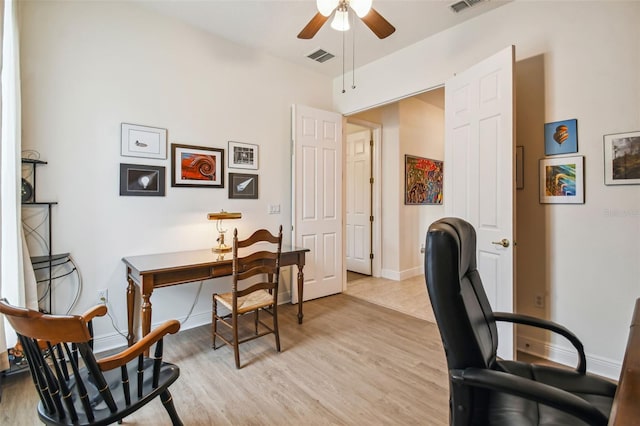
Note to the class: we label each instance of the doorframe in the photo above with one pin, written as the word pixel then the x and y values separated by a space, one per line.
pixel 376 205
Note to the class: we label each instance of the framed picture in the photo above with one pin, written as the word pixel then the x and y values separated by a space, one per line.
pixel 519 167
pixel 197 166
pixel 243 155
pixel 622 159
pixel 561 137
pixel 143 141
pixel 562 180
pixel 142 180
pixel 243 185
pixel 422 180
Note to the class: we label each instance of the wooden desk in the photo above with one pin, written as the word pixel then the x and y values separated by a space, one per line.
pixel 626 404
pixel 152 271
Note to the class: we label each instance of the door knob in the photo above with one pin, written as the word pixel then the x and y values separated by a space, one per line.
pixel 503 242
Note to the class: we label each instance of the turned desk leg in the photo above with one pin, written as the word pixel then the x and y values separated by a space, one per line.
pixel 131 297
pixel 300 295
pixel 146 290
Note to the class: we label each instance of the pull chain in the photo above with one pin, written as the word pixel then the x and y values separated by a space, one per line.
pixel 343 52
pixel 353 53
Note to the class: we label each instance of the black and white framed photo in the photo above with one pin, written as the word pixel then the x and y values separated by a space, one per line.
pixel 243 185
pixel 243 155
pixel 143 141
pixel 142 180
pixel 622 159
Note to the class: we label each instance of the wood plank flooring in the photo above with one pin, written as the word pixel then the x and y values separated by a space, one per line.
pixel 350 363
pixel 408 296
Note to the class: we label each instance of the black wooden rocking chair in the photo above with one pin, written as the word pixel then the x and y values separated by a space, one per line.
pixel 74 387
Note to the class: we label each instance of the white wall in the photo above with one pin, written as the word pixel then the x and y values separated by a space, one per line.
pixel 89 66
pixel 584 58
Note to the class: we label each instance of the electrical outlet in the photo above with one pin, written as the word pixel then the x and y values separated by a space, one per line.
pixel 103 296
pixel 539 301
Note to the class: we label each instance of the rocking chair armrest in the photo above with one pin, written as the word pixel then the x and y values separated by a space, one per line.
pixel 120 359
pixel 96 311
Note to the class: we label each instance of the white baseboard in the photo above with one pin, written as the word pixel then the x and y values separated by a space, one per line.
pixel 567 356
pixel 114 340
pixel 401 275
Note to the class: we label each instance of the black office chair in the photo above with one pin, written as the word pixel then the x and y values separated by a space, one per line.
pixel 486 390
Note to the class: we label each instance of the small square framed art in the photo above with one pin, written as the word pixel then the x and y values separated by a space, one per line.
pixel 243 185
pixel 562 180
pixel 243 155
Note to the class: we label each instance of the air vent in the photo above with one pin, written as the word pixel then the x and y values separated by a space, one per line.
pixel 320 55
pixel 463 4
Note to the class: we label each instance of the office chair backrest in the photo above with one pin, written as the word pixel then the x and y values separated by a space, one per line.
pixel 460 305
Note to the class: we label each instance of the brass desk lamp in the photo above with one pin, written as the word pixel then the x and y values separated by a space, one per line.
pixel 222 247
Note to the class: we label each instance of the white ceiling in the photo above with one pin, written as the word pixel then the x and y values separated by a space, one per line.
pixel 272 26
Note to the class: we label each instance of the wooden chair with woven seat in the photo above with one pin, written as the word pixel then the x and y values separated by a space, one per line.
pixel 75 387
pixel 247 295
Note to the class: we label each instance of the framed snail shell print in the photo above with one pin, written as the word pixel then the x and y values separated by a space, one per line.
pixel 561 137
pixel 197 166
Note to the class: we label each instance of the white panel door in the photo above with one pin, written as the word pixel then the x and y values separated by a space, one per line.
pixel 317 199
pixel 479 173
pixel 358 202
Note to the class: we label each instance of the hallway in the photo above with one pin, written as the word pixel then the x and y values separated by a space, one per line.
pixel 408 296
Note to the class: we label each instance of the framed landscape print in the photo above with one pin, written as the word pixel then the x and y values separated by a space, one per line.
pixel 562 180
pixel 197 166
pixel 243 155
pixel 561 137
pixel 422 180
pixel 622 159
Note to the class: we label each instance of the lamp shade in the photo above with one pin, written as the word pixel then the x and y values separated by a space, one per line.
pixel 361 7
pixel 325 7
pixel 224 215
pixel 341 21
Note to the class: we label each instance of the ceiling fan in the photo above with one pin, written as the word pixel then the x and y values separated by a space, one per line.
pixel 340 9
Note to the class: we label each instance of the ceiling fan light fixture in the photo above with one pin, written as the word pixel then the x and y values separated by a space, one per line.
pixel 361 7
pixel 325 7
pixel 341 21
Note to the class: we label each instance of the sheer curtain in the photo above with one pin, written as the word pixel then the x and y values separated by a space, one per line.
pixel 17 280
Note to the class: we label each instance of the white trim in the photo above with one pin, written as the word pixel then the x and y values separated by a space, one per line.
pixel 567 356
pixel 376 168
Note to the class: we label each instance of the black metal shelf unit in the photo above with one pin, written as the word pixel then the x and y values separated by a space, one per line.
pixel 50 260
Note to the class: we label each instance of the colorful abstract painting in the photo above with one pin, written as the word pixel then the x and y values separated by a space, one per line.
pixel 423 180
pixel 562 180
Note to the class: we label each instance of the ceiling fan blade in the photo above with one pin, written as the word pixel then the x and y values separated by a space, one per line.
pixel 313 26
pixel 376 23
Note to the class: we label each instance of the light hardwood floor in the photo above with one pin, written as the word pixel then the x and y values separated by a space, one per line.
pixel 408 296
pixel 350 363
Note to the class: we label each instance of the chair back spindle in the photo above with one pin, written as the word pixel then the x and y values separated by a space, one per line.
pixel 75 388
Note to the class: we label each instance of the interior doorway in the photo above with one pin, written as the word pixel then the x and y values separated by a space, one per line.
pixel 362 197
pixel 413 125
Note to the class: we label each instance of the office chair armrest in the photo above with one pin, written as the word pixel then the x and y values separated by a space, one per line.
pixel 96 311
pixel 120 359
pixel 548 325
pixel 531 390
